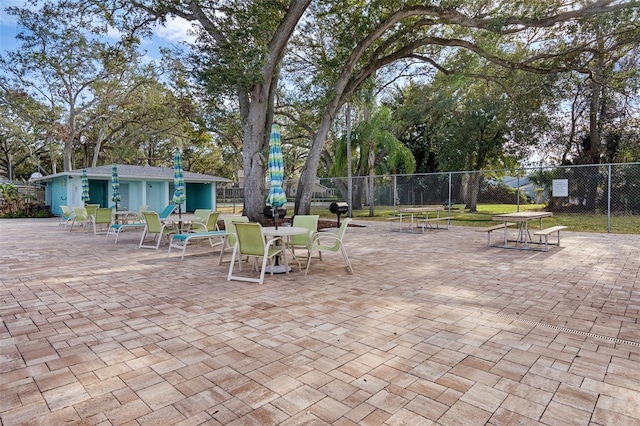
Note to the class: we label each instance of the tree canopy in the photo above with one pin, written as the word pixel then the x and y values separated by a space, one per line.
pixel 494 68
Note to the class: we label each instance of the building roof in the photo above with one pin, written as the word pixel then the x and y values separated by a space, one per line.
pixel 128 172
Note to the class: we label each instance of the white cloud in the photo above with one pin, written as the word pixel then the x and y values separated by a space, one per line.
pixel 175 30
pixel 113 33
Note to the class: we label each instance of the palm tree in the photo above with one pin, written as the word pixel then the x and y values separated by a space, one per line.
pixel 375 151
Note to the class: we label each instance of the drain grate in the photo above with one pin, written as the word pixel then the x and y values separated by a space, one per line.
pixel 567 330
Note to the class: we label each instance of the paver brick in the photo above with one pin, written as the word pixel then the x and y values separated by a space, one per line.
pixel 482 336
pixel 563 414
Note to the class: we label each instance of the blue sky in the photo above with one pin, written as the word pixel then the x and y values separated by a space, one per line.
pixel 8 28
pixel 173 33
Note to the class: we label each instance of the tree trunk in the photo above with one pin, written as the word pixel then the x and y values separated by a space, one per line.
pixel 371 180
pixel 54 166
pixel 309 170
pixel 67 153
pixel 358 187
pixel 473 190
pixel 596 107
pixel 463 191
pixel 254 126
pixel 256 104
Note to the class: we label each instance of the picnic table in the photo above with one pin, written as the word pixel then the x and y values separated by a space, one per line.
pixel 522 219
pixel 418 217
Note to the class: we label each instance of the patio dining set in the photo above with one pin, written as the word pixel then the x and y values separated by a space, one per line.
pixel 268 248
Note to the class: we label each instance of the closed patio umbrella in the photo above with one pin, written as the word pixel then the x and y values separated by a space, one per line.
pixel 178 183
pixel 277 197
pixel 115 184
pixel 85 186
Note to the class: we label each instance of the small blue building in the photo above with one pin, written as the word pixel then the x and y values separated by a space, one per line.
pixel 139 185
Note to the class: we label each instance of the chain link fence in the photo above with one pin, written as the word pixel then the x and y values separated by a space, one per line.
pixel 610 193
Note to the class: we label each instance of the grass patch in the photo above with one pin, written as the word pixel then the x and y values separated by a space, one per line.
pixel 628 224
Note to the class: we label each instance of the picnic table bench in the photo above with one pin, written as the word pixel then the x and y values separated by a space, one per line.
pixel 426 223
pixel 490 229
pixel 548 231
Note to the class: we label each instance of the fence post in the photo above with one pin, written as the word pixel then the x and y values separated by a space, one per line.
pixel 609 199
pixel 518 190
pixel 449 201
pixel 349 172
pixel 395 191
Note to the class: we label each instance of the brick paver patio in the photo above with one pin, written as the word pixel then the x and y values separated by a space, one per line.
pixel 432 329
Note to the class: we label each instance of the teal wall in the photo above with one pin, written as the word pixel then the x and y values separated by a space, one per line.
pixel 155 194
pixel 58 195
pixel 98 193
pixel 199 196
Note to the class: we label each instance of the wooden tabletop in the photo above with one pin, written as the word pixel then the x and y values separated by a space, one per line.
pixel 421 209
pixel 521 216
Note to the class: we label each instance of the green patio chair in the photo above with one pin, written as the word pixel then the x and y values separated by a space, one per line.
pixel 231 229
pixel 205 223
pixel 251 243
pixel 303 241
pixel 139 216
pixel 67 216
pixel 91 209
pixel 103 216
pixel 330 243
pixel 81 216
pixel 153 225
pixel 200 217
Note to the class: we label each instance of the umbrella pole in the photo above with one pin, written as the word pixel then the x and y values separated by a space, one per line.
pixel 274 212
pixel 275 216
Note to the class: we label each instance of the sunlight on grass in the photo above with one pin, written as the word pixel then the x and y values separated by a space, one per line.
pixel 628 224
pixel 576 222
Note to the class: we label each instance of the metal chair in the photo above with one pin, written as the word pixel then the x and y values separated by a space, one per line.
pixel 81 216
pixel 204 222
pixel 303 241
pixel 330 243
pixel 67 216
pixel 250 242
pixel 153 225
pixel 103 216
pixel 229 226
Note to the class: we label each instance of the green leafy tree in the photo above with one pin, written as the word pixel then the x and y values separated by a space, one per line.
pixel 417 110
pixel 65 63
pixel 375 151
pixel 238 56
pixel 344 45
pixel 116 107
pixel 25 135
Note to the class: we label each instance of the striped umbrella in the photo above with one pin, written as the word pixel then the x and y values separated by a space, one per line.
pixel 178 182
pixel 85 186
pixel 115 184
pixel 277 197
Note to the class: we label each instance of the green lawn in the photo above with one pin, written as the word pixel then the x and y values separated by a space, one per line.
pixel 576 222
pixel 628 224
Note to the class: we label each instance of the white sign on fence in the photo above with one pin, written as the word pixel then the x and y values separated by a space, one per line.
pixel 561 187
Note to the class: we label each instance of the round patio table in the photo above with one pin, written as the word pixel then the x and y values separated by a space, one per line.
pixel 284 232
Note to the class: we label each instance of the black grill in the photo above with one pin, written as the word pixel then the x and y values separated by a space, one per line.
pixel 339 209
